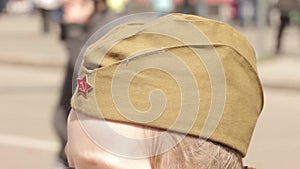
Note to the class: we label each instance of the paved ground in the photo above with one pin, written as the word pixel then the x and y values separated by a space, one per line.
pixel 31 71
pixel 28 97
pixel 275 144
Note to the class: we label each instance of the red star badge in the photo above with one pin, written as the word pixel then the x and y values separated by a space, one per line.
pixel 83 86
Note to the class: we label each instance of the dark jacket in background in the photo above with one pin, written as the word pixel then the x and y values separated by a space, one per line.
pixel 74 37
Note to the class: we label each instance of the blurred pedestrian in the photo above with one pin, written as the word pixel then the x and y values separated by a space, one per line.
pixel 117 6
pixel 247 11
pixel 137 103
pixel 165 6
pixel 3 5
pixel 80 19
pixel 186 6
pixel 286 7
pixel 138 6
pixel 45 8
pixel 234 8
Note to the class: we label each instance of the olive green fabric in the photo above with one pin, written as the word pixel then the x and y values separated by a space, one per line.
pixel 227 103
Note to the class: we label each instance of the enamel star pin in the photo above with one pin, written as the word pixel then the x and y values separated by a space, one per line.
pixel 83 86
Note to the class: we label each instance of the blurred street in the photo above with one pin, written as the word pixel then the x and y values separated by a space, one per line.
pixel 32 70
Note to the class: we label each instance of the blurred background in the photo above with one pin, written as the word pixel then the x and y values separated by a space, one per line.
pixel 33 61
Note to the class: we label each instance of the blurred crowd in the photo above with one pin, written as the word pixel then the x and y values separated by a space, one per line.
pixel 241 12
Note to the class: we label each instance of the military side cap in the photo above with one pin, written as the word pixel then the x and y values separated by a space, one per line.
pixel 181 73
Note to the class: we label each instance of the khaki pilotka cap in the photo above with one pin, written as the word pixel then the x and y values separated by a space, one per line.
pixel 122 71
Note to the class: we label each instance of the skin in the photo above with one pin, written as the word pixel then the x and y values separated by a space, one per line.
pixel 83 153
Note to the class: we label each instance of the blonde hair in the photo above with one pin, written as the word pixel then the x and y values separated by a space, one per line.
pixel 192 153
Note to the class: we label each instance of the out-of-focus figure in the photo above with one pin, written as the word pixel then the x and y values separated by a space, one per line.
pixel 286 8
pixel 2 5
pixel 16 6
pixel 80 19
pixel 117 6
pixel 186 6
pixel 165 6
pixel 244 11
pixel 247 11
pixel 234 9
pixel 138 6
pixel 46 7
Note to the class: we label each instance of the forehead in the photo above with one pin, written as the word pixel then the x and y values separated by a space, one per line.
pixel 125 129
